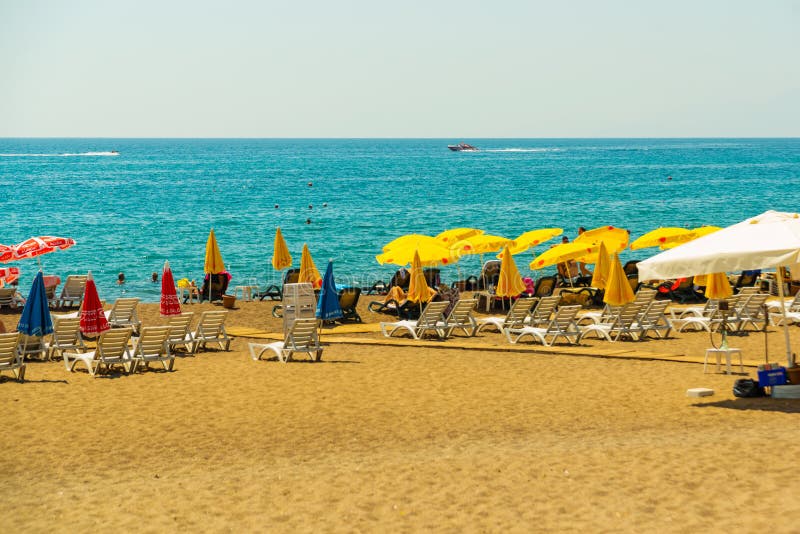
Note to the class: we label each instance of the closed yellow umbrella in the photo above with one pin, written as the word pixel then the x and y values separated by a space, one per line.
pixel 480 244
pixel 431 253
pixel 661 237
pixel 563 253
pixel 281 259
pixel 454 235
pixel 616 239
pixel 308 271
pixel 509 283
pixel 601 268
pixel 418 290
pixel 532 238
pixel 213 264
pixel 618 289
pixel 718 286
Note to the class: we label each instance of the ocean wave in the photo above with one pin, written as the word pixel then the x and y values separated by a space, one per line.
pixel 523 150
pixel 66 154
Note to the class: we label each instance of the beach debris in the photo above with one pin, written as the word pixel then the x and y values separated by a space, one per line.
pixel 699 392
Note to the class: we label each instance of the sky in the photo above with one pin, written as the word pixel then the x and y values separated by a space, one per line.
pixel 460 70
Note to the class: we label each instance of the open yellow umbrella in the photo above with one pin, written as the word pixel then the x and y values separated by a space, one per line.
pixel 663 236
pixel 409 239
pixel 431 253
pixel 616 239
pixel 281 259
pixel 418 290
pixel 509 283
pixel 479 244
pixel 717 286
pixel 532 238
pixel 700 231
pixel 454 235
pixel 563 253
pixel 601 268
pixel 213 264
pixel 618 289
pixel 308 271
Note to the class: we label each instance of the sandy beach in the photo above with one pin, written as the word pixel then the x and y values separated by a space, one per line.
pixel 462 435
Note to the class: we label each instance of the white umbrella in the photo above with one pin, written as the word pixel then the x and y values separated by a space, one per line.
pixel 769 240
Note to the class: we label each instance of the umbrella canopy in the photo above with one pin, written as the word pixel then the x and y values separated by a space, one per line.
pixel 448 237
pixel 718 286
pixel 213 263
pixel 618 289
pixel 480 244
pixel 509 283
pixel 616 239
pixel 281 259
pixel 169 297
pixel 328 307
pixel 36 246
pixel 563 253
pixel 418 290
pixel 6 253
pixel 408 239
pixel 93 320
pixel 532 238
pixel 8 274
pixel 308 271
pixel 695 233
pixel 662 237
pixel 602 268
pixel 769 240
pixel 431 253
pixel 35 319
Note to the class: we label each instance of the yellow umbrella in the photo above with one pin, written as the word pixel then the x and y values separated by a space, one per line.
pixel 601 268
pixel 479 244
pixel 281 259
pixel 418 290
pixel 510 283
pixel 694 234
pixel 717 286
pixel 308 271
pixel 448 237
pixel 213 264
pixel 663 236
pixel 616 239
pixel 563 253
pixel 430 252
pixel 532 238
pixel 618 289
pixel 409 239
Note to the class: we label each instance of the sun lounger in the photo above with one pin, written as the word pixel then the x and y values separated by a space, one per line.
pixel 348 301
pixel 10 357
pixel 180 333
pixel 561 325
pixel 654 319
pixel 623 324
pixel 112 349
pixel 32 346
pixel 153 346
pixel 8 297
pixel 461 317
pixel 211 329
pixel 516 316
pixel 430 320
pixel 302 337
pixel 123 313
pixel 66 336
pixel 72 292
pixel 544 310
pixel 751 313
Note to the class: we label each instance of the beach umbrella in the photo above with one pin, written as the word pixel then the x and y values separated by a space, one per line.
pixel 93 319
pixel 694 234
pixel 601 268
pixel 533 238
pixel 328 307
pixel 618 289
pixel 35 319
pixel 661 237
pixel 36 246
pixel 418 290
pixel 8 275
pixel 213 263
pixel 308 271
pixel 170 305
pixel 6 253
pixel 454 235
pixel 563 253
pixel 431 253
pixel 616 239
pixel 281 259
pixel 479 244
pixel 409 239
pixel 509 283
pixel 717 286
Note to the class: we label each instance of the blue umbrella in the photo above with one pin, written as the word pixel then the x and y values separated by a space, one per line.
pixel 328 306
pixel 35 319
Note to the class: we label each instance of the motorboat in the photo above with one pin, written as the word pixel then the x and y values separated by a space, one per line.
pixel 462 147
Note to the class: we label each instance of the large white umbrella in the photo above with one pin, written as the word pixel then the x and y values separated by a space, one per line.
pixel 769 240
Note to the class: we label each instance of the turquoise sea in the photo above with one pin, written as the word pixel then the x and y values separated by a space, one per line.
pixel 158 198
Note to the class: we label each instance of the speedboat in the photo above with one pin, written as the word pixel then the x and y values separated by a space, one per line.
pixel 462 147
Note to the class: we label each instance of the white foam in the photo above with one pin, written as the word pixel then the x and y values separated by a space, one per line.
pixel 66 154
pixel 523 150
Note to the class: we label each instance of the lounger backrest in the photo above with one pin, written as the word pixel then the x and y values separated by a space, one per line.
pixel 545 286
pixel 74 286
pixel 645 296
pixel 8 348
pixel 747 291
pixel 113 343
pixel 66 332
pixel 153 340
pixel 794 305
pixel 753 305
pixel 124 311
pixel 629 314
pixel 564 319
pixel 518 312
pixel 432 314
pixel 303 335
pixel 462 311
pixel 179 326
pixel 348 297
pixel 211 322
pixel 654 312
pixel 545 308
pixel 7 296
pixel 30 344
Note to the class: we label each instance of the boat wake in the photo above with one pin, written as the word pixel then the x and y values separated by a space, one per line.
pixel 523 150
pixel 66 154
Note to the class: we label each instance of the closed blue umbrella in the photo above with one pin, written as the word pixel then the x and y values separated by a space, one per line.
pixel 35 319
pixel 328 306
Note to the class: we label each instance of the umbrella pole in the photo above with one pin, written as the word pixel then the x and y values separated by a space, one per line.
pixel 789 358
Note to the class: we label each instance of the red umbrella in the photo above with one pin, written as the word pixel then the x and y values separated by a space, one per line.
pixel 169 297
pixel 93 320
pixel 36 246
pixel 6 253
pixel 8 274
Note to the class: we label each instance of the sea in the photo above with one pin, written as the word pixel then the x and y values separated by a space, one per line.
pixel 131 204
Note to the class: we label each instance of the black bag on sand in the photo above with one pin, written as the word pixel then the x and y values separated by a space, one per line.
pixel 747 387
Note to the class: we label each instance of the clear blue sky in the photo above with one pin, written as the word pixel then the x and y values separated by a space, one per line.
pixel 240 68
